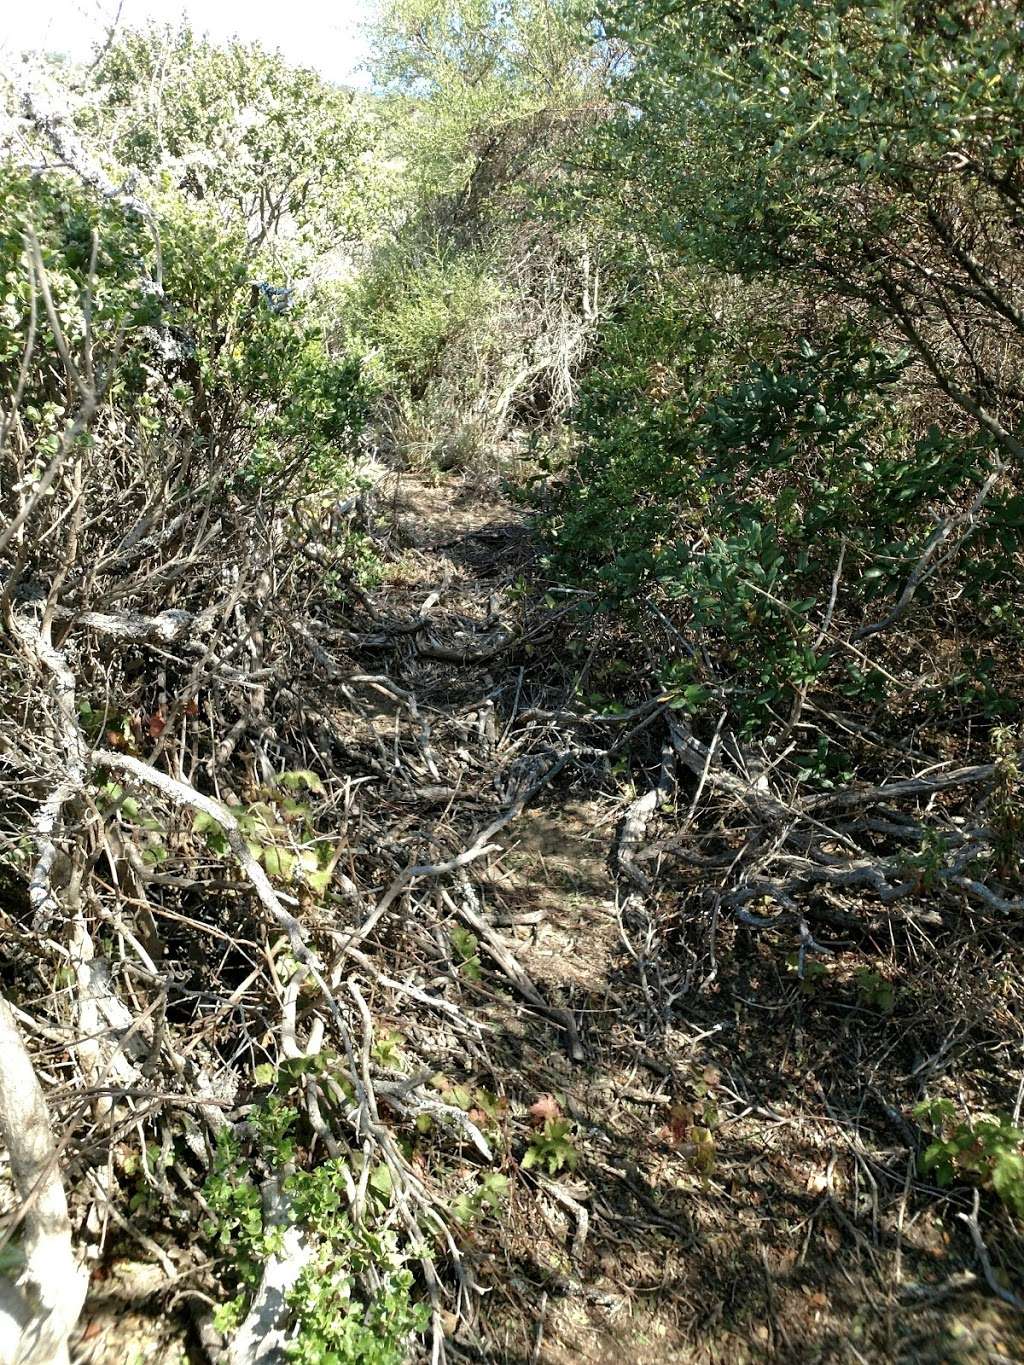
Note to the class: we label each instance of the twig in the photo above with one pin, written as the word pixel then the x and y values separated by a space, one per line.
pixel 971 1222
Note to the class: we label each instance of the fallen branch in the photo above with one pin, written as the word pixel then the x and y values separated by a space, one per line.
pixel 37 645
pixel 638 817
pixel 261 1337
pixel 701 761
pixel 167 628
pixel 913 786
pixel 497 948
pixel 479 848
pixel 52 1284
pixel 428 648
pixel 981 1251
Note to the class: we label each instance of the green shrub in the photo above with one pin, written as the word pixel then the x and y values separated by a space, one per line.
pixel 732 491
pixel 278 149
pixel 418 307
pixel 187 348
pixel 986 1151
pixel 336 1321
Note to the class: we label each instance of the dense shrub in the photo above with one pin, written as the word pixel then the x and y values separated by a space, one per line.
pixel 744 494
pixel 190 353
pixel 475 308
pixel 809 408
pixel 414 313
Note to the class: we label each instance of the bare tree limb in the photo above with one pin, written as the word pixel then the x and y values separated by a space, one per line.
pixel 53 1284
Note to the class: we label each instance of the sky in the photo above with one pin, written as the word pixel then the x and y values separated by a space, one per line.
pixel 325 34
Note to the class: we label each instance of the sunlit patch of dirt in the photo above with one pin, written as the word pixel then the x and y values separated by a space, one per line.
pixel 431 516
pixel 124 1323
pixel 553 895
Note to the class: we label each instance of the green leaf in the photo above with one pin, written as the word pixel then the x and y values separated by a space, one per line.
pixel 381 1181
pixel 203 822
pixel 301 778
pixel 319 881
pixel 279 862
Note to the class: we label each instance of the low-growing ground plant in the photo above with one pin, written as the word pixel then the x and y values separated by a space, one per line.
pixel 987 1150
pixel 354 1302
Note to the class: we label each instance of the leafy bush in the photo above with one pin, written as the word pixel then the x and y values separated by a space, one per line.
pixel 636 462
pixel 732 491
pixel 778 447
pixel 987 1151
pixel 335 1319
pixel 275 147
pixel 188 350
pixel 474 309
pixel 408 312
pixel 868 151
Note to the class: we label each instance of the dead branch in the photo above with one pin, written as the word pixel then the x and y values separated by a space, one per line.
pixel 890 791
pixel 52 1284
pixel 523 983
pixel 261 1337
pixel 638 817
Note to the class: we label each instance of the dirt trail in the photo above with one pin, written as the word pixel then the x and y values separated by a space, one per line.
pixel 570 1274
pixel 735 1193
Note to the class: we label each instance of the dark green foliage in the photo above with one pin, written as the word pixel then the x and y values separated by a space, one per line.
pixel 636 456
pixel 815 210
pixel 732 491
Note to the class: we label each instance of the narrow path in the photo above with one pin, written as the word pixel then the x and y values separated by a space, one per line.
pixel 562 1265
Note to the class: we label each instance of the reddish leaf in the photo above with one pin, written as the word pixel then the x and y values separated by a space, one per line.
pixel 157 723
pixel 680 1121
pixel 546 1107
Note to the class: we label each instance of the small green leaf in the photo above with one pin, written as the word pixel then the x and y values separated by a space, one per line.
pixel 300 778
pixel 381 1181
